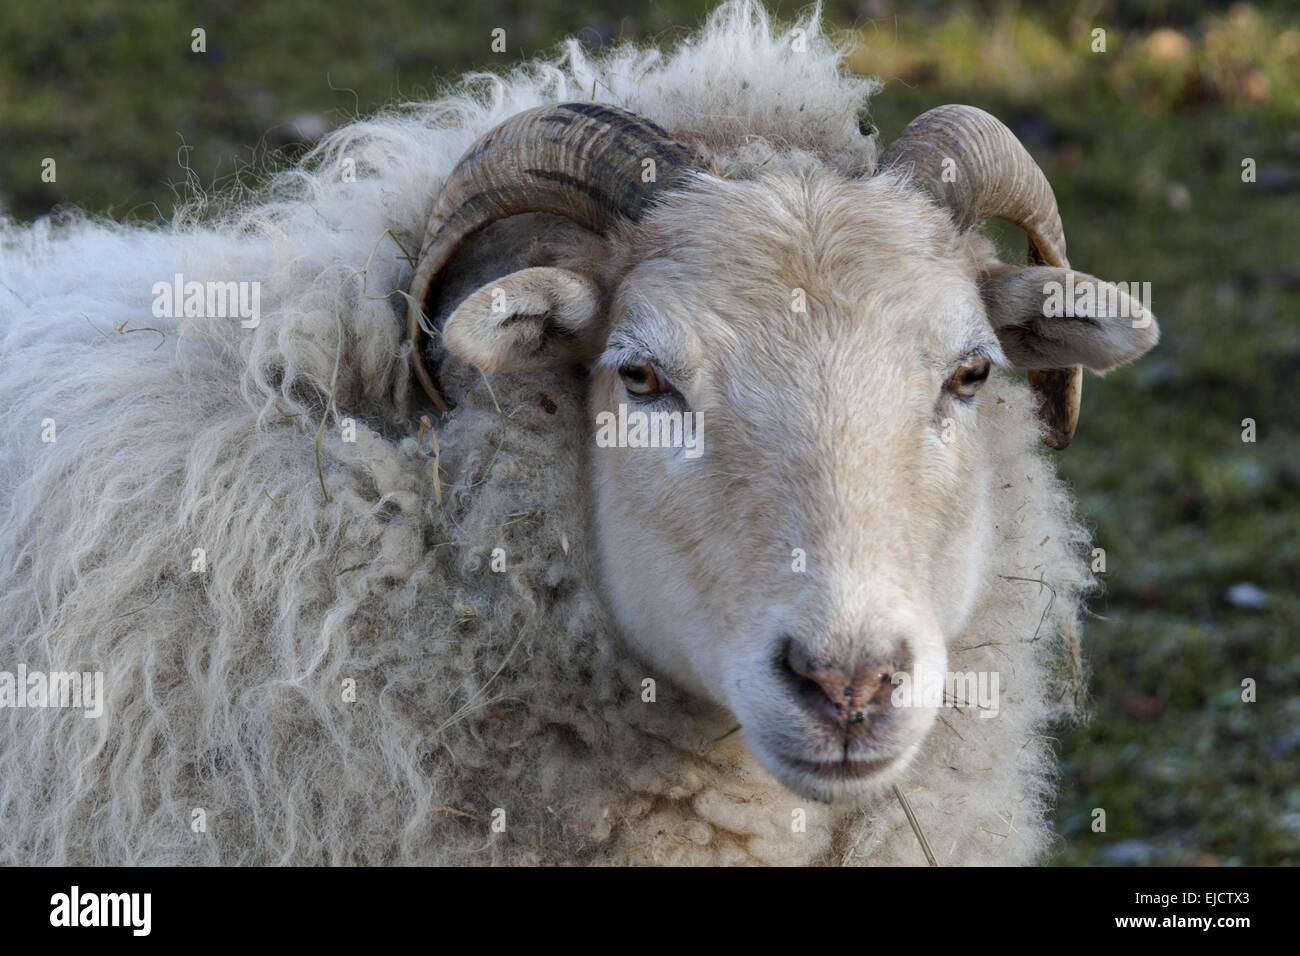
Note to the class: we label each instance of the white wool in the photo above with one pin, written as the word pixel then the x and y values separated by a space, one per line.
pixel 476 692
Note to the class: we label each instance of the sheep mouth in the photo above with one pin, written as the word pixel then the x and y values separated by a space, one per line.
pixel 842 770
pixel 833 781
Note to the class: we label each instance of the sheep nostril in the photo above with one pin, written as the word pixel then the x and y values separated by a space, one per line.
pixel 846 696
pixel 797 676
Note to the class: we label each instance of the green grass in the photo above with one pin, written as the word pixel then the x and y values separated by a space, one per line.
pixel 1144 145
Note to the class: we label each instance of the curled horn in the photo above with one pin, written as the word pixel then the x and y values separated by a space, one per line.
pixel 583 161
pixel 996 179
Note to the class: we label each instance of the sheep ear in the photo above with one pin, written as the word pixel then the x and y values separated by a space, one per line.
pixel 1046 317
pixel 531 319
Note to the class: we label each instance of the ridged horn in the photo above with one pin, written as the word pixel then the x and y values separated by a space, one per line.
pixel 583 161
pixel 992 176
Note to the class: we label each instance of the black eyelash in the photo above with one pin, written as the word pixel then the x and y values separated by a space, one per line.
pixel 667 393
pixel 974 372
pixel 633 371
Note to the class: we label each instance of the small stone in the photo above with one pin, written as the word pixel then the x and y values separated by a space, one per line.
pixel 1248 596
pixel 1128 852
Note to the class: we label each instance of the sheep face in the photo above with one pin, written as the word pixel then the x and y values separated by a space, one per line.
pixel 818 528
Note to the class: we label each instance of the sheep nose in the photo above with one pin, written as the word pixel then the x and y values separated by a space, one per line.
pixel 848 696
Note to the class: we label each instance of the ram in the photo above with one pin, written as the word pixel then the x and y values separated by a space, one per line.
pixel 362 584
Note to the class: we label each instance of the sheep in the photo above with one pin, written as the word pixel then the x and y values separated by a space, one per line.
pixel 361 585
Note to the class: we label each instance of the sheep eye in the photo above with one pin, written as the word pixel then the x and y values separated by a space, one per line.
pixel 971 376
pixel 640 378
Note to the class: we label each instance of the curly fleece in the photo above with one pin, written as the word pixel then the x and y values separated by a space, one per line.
pixel 496 717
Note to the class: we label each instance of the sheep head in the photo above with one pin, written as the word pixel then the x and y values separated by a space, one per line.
pixel 829 338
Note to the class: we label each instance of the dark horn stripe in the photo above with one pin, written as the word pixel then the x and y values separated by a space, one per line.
pixel 586 188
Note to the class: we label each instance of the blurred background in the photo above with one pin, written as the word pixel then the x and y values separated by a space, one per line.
pixel 1144 143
